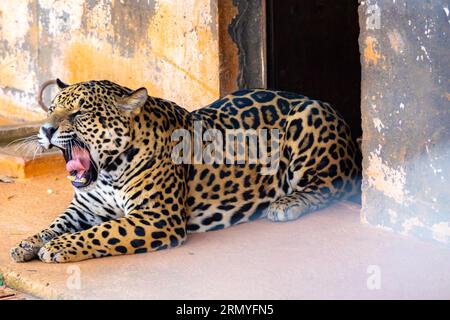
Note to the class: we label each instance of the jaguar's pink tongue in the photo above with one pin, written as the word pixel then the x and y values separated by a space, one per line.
pixel 80 161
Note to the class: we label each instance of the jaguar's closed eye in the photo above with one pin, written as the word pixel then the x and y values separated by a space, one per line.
pixel 74 115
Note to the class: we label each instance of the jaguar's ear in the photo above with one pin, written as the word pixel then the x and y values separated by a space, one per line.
pixel 61 85
pixel 134 101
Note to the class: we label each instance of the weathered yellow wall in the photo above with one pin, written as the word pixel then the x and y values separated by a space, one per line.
pixel 169 46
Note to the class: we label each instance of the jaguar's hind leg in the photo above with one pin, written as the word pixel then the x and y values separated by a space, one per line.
pixel 294 205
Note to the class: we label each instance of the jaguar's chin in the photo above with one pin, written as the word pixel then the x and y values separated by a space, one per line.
pixel 79 164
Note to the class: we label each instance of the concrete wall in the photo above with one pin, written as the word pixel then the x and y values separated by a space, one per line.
pixel 169 46
pixel 406 116
pixel 242 44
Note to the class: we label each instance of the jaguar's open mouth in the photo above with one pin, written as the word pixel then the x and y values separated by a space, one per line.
pixel 79 164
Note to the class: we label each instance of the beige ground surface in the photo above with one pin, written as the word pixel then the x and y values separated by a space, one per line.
pixel 10 294
pixel 323 255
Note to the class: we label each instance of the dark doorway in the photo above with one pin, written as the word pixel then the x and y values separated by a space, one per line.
pixel 313 49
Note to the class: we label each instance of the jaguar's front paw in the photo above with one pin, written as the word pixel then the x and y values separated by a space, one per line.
pixel 26 250
pixel 51 252
pixel 60 250
pixel 284 210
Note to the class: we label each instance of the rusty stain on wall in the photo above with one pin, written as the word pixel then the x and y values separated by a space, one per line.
pixel 170 47
pixel 370 52
pixel 229 62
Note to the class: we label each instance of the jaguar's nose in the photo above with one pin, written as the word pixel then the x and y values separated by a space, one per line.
pixel 48 131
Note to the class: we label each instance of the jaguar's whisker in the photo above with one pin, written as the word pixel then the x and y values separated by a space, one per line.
pixel 22 139
pixel 24 145
pixel 35 151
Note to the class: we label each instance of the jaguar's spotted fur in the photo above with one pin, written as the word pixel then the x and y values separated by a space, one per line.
pixel 132 198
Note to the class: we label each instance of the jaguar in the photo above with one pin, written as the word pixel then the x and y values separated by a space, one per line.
pixel 131 196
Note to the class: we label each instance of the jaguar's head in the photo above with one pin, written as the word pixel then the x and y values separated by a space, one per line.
pixel 91 123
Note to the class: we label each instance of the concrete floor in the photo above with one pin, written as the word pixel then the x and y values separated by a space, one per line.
pixel 10 294
pixel 325 255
